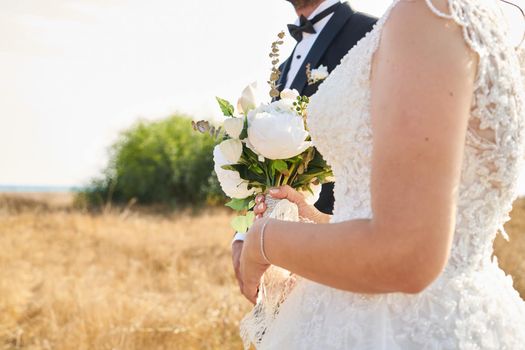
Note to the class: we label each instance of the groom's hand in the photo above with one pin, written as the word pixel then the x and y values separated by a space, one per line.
pixel 236 260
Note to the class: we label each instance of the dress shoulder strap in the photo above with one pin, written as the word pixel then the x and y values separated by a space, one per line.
pixel 437 11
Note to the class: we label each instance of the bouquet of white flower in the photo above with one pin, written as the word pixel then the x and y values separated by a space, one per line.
pixel 264 146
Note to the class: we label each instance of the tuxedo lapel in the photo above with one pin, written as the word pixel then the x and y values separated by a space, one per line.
pixel 323 41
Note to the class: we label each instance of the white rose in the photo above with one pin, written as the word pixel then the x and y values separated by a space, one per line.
pixel 230 181
pixel 277 135
pixel 234 126
pixel 289 94
pixel 310 198
pixel 232 150
pixel 320 73
pixel 248 101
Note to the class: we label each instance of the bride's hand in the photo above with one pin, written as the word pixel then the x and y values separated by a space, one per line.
pixel 252 264
pixel 305 210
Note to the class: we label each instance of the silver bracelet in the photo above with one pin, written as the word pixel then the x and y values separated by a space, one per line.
pixel 262 243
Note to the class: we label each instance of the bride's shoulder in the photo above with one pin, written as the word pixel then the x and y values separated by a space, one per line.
pixel 417 11
pixel 439 6
pixel 414 34
pixel 416 24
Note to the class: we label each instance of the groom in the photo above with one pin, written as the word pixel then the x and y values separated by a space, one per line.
pixel 325 31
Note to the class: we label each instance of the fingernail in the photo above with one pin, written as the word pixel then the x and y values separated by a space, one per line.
pixel 274 190
pixel 260 206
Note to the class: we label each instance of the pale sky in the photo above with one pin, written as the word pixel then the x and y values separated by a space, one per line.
pixel 73 73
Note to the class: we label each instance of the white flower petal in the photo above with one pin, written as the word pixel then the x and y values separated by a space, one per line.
pixel 277 135
pixel 247 101
pixel 320 73
pixel 230 181
pixel 232 150
pixel 234 126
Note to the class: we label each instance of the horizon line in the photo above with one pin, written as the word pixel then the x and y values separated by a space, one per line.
pixel 38 188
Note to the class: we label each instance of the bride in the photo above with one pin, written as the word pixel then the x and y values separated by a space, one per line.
pixel 423 125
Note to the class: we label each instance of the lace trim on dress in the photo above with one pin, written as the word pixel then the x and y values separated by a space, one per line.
pixel 496 123
pixel 437 11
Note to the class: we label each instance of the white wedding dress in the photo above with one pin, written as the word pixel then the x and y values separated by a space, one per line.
pixel 472 305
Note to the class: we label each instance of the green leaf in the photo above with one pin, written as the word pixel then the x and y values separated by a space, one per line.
pixel 251 155
pixel 318 161
pixel 239 204
pixel 246 173
pixel 271 169
pixel 229 167
pixel 244 132
pixel 226 107
pixel 243 222
pixel 295 160
pixel 280 165
pixel 256 168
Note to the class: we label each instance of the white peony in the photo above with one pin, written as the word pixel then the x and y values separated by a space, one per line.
pixel 247 101
pixel 230 181
pixel 232 150
pixel 234 126
pixel 277 134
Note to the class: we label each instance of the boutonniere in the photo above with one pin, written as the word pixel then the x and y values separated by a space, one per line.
pixel 315 75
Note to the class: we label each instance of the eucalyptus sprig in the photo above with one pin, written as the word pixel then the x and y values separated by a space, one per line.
pixel 204 127
pixel 276 73
pixel 309 73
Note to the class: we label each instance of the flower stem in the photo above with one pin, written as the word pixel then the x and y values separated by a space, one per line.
pixel 279 178
pixel 290 173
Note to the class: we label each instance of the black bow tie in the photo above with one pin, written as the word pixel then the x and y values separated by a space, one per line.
pixel 307 25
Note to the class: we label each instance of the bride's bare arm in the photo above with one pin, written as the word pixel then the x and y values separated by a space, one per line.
pixel 422 84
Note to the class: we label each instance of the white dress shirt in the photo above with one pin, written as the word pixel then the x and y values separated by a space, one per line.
pixel 304 46
pixel 301 51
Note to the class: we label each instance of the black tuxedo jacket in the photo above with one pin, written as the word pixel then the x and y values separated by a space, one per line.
pixel 344 29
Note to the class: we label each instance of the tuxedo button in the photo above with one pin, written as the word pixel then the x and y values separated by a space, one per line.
pixel 298 57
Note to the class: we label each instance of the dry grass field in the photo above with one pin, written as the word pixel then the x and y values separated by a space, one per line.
pixel 71 280
pixel 130 280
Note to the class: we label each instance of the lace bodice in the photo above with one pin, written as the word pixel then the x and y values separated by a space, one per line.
pixel 339 121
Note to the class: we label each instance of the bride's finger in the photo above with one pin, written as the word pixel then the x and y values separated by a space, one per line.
pixel 287 192
pixel 259 198
pixel 259 208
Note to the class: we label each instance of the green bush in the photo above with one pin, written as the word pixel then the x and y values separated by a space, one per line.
pixel 160 162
